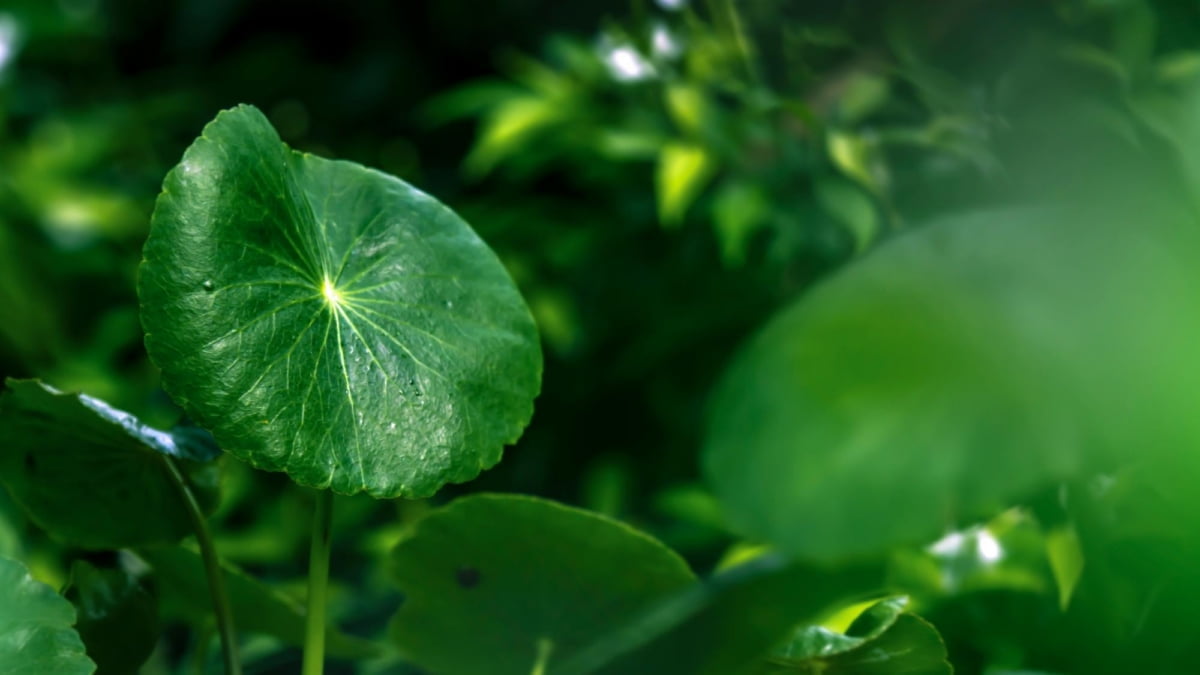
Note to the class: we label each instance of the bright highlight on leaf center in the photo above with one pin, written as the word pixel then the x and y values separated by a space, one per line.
pixel 332 296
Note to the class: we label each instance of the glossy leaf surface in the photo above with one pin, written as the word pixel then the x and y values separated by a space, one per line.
pixel 884 640
pixel 331 321
pixel 495 584
pixel 956 369
pixel 93 475
pixel 36 636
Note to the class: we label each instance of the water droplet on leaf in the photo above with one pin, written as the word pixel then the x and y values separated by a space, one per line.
pixel 208 285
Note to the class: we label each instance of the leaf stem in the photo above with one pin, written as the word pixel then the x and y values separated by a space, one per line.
pixel 212 569
pixel 726 16
pixel 318 581
pixel 545 647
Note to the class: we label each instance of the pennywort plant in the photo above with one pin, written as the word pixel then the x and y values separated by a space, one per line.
pixel 331 322
pixel 319 318
pixel 325 320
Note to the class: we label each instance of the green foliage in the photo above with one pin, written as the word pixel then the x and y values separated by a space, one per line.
pixel 883 639
pixel 906 379
pixel 729 622
pixel 118 618
pixel 330 321
pixel 95 476
pixel 957 246
pixel 182 591
pixel 35 627
pixel 527 591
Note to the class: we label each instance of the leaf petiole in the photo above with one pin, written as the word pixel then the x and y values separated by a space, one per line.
pixel 318 582
pixel 212 568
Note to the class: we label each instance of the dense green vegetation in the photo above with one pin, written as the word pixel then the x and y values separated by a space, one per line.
pixel 736 337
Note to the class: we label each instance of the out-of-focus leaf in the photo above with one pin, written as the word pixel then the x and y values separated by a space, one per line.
pixel 1065 555
pixel 495 584
pixel 740 553
pixel 1174 114
pixel 542 78
pixel 1093 57
pixel 118 619
pixel 624 145
pixel 1135 34
pixel 11 544
pixel 35 627
pixel 557 319
pixel 683 171
pixel 957 369
pixel 606 487
pixel 739 209
pixel 849 206
pixel 508 127
pixel 884 640
pixel 182 589
pixel 93 475
pixel 330 321
pixel 690 502
pixel 51 177
pixel 726 623
pixel 468 100
pixel 30 325
pixel 854 156
pixel 688 107
pixel 1178 67
pixel 862 96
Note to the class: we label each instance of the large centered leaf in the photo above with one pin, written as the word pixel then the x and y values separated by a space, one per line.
pixel 505 585
pixel 957 369
pixel 93 475
pixel 35 627
pixel 330 321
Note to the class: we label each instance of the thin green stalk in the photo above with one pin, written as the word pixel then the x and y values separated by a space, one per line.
pixel 727 17
pixel 318 582
pixel 212 569
pixel 200 653
pixel 545 647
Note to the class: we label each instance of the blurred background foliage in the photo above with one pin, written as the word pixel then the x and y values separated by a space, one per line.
pixel 658 177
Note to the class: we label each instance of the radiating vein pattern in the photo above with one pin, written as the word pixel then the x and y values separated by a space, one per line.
pixel 331 321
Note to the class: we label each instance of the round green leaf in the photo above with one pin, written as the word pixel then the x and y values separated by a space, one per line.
pixel 498 584
pixel 331 321
pixel 118 619
pixel 35 627
pixel 93 475
pixel 956 370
